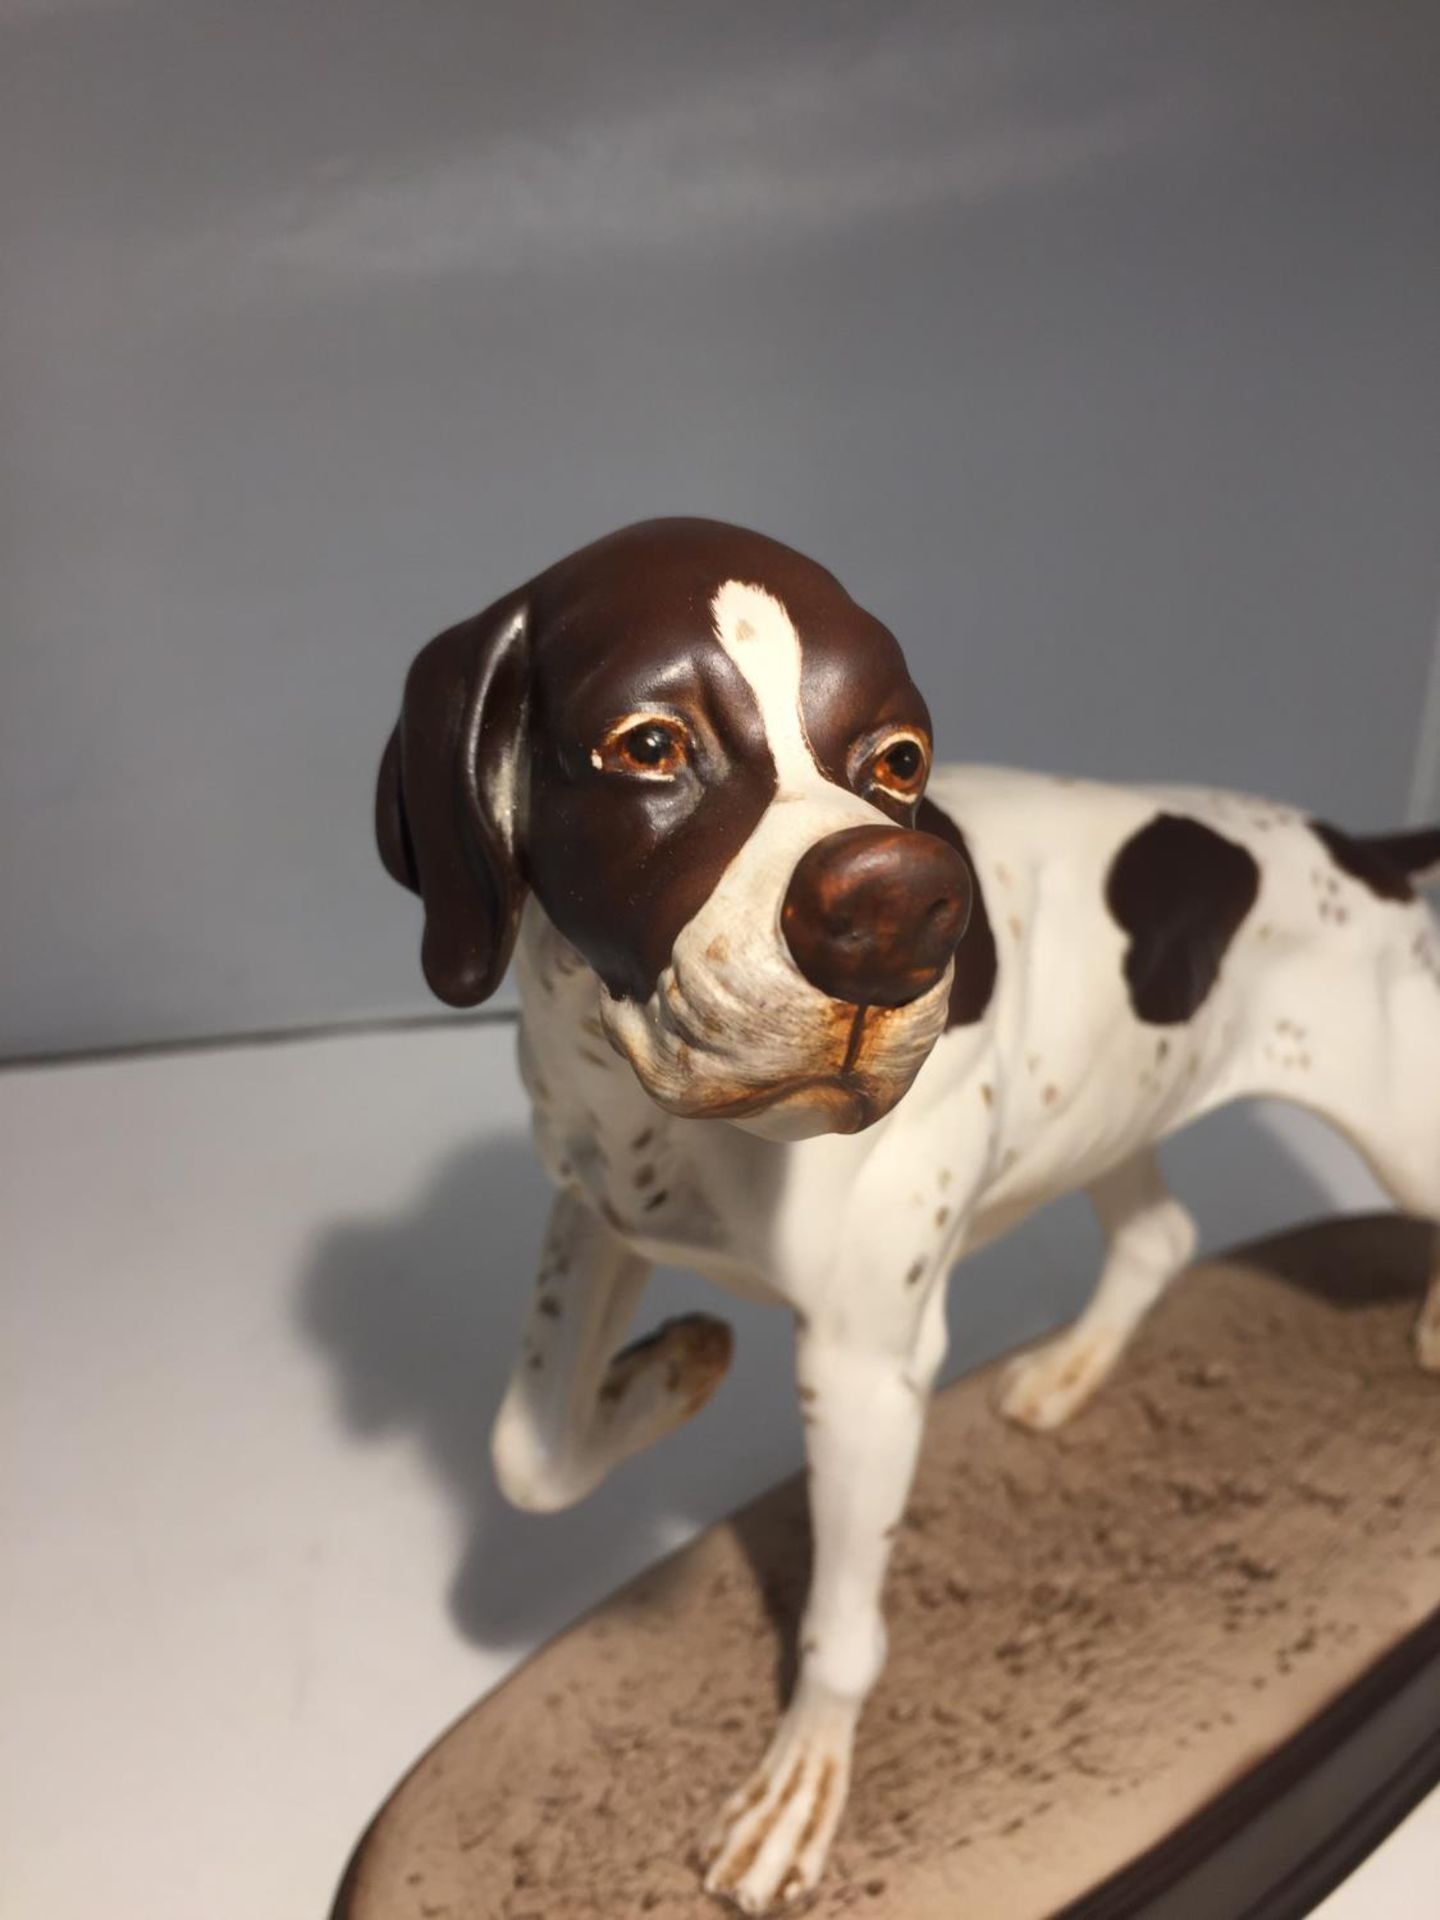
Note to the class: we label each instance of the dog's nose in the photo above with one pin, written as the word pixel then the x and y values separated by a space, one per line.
pixel 873 914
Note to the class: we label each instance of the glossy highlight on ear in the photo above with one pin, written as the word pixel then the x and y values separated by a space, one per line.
pixel 447 799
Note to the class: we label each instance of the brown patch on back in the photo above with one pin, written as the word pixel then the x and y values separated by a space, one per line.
pixel 977 962
pixel 1379 864
pixel 1181 891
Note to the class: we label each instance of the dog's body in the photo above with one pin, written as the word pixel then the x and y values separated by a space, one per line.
pixel 728 1097
pixel 1055 1084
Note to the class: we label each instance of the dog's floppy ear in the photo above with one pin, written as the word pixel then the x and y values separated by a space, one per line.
pixel 448 798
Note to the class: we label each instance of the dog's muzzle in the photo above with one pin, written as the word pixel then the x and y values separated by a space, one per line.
pixel 873 915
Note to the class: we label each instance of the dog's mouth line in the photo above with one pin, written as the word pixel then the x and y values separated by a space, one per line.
pixel 702 1034
pixel 854 1041
pixel 842 1078
pixel 744 1105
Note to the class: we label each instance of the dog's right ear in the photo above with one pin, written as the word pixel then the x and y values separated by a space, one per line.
pixel 448 800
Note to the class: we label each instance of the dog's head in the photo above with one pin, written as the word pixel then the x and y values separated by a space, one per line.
pixel 704 761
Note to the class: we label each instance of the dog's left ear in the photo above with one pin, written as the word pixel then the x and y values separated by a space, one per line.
pixel 448 798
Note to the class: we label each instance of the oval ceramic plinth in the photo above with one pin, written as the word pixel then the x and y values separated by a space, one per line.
pixel 1180 1658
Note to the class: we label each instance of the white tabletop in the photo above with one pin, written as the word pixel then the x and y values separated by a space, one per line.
pixel 258 1304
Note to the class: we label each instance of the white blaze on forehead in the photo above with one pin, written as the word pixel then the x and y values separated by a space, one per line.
pixel 756 632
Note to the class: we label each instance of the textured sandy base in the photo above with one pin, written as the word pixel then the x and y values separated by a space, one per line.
pixel 1092 1632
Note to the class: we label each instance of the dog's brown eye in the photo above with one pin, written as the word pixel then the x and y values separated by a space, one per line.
pixel 648 746
pixel 900 767
pixel 655 747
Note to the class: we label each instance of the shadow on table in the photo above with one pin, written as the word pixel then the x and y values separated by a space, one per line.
pixel 420 1314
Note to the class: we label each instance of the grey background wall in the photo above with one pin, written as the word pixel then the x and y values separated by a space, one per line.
pixel 1093 346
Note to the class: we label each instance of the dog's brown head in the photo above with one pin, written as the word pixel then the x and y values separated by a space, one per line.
pixel 703 761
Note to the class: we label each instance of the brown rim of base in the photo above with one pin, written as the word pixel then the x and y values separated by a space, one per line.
pixel 1303 1875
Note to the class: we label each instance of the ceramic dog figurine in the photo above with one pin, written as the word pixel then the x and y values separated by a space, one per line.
pixel 815 1022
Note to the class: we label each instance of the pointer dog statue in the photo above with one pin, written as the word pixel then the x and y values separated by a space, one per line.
pixel 815 1022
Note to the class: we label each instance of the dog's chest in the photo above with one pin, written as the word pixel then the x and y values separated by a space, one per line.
pixel 652 1179
pixel 644 1172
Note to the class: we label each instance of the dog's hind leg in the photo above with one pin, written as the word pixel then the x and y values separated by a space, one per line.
pixel 576 1407
pixel 1407 1165
pixel 1149 1237
pixel 1377 1081
pixel 1413 1182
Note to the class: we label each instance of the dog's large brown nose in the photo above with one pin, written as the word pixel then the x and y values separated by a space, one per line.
pixel 873 914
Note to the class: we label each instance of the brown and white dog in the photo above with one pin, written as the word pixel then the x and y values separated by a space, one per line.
pixel 802 1017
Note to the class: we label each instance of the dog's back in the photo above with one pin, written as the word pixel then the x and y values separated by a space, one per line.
pixel 1162 950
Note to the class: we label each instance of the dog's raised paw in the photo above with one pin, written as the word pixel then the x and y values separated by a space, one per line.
pixel 659 1382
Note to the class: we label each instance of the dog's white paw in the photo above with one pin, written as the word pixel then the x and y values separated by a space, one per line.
pixel 1043 1388
pixel 770 1843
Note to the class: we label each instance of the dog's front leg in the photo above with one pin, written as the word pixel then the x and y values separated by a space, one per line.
pixel 576 1406
pixel 864 1383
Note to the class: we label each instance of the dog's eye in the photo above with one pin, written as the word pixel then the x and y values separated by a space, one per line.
pixel 900 766
pixel 647 746
pixel 652 746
